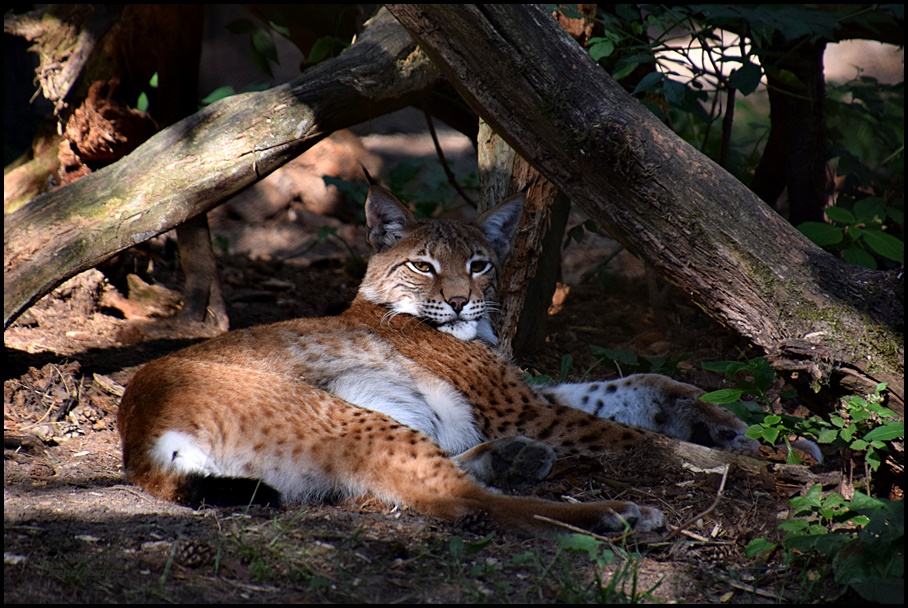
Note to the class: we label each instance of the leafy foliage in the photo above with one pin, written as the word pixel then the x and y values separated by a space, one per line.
pixel 862 541
pixel 862 424
pixel 687 63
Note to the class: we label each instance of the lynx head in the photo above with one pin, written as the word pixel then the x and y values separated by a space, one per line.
pixel 442 272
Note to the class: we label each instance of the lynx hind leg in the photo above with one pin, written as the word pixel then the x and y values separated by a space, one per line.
pixel 658 403
pixel 508 461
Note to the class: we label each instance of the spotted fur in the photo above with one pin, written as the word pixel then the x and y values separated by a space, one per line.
pixel 400 396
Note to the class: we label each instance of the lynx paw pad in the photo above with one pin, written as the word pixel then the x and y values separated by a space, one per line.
pixel 519 459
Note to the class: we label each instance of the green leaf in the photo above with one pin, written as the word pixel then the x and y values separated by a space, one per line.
pixel 885 244
pixel 567 362
pixel 870 210
pixel 847 433
pixel 757 547
pixel 889 432
pixel 746 78
pixel 770 436
pixel 840 215
pixel 600 48
pixel 794 525
pixel 827 436
pixel 648 83
pixel 580 543
pixel 722 396
pixel 859 445
pixel 722 366
pixel 859 257
pixel 321 49
pixel 280 28
pixel 264 44
pixel 626 357
pixel 218 94
pixel 821 233
pixel 623 71
pixel 142 102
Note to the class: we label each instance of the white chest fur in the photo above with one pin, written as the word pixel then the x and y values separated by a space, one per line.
pixel 426 404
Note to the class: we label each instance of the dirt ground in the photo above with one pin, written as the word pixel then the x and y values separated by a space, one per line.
pixel 75 532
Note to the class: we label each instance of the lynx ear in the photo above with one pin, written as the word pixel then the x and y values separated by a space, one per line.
pixel 500 223
pixel 387 219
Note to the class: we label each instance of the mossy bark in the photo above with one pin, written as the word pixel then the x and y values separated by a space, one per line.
pixel 823 321
pixel 202 160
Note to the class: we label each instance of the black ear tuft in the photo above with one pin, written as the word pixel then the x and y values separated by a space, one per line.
pixel 369 179
pixel 387 219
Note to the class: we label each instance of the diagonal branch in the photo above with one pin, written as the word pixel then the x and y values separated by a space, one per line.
pixel 200 161
pixel 667 203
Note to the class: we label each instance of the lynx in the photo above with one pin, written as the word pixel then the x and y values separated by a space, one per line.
pixel 400 397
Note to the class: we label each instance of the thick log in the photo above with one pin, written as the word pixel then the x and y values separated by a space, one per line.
pixel 200 161
pixel 817 318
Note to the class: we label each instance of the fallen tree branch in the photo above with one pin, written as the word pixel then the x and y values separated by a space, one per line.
pixel 197 163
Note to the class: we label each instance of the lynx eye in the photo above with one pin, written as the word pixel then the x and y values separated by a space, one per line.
pixel 479 266
pixel 421 267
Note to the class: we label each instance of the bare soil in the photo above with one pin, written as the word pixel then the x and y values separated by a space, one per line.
pixel 75 532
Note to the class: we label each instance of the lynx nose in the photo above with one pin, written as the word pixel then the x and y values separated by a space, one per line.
pixel 457 303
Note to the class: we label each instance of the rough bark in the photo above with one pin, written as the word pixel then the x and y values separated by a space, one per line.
pixel 200 161
pixel 816 317
pixel 529 279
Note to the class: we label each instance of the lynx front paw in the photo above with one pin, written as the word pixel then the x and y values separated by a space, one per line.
pixel 641 518
pixel 508 461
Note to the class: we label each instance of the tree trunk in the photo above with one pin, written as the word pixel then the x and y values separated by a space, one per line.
pixel 795 155
pixel 817 318
pixel 200 161
pixel 529 279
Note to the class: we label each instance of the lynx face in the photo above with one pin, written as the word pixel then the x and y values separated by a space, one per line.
pixel 442 273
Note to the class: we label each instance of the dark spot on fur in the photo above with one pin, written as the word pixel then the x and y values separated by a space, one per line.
pixel 700 435
pixel 726 435
pixel 611 388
